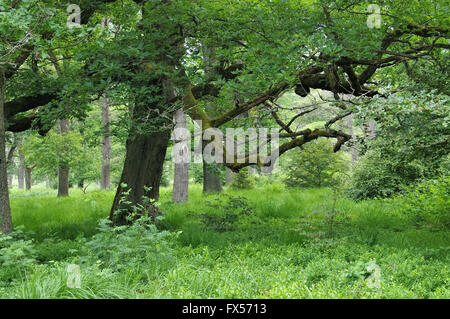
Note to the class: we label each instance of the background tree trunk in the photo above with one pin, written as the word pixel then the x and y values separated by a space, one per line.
pixel 212 182
pixel 211 178
pixel 5 210
pixel 10 161
pixel 106 145
pixel 63 171
pixel 28 178
pixel 353 149
pixel 47 181
pixel 141 175
pixel 10 157
pixel 21 169
pixel 181 170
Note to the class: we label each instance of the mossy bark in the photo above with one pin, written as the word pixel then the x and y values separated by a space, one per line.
pixel 141 176
pixel 5 209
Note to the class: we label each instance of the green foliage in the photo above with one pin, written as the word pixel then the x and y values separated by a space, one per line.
pixel 196 171
pixel 56 150
pixel 230 209
pixel 273 243
pixel 378 176
pixel 411 143
pixel 124 246
pixel 64 218
pixel 243 180
pixel 445 166
pixel 313 166
pixel 17 254
pixel 284 254
pixel 428 203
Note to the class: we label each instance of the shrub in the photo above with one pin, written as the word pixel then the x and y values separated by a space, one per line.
pixel 411 143
pixel 17 253
pixel 428 203
pixel 242 180
pixel 196 171
pixel 314 166
pixel 231 210
pixel 376 175
pixel 445 166
pixel 117 247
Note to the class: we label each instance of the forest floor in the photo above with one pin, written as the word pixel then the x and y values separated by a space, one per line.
pixel 268 242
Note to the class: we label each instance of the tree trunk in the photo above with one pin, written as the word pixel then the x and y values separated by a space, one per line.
pixel 211 179
pixel 181 171
pixel 63 181
pixel 146 149
pixel 28 178
pixel 9 161
pixel 212 182
pixel 106 145
pixel 63 171
pixel 5 210
pixel 21 170
pixel 353 150
pixel 47 181
pixel 141 175
pixel 10 157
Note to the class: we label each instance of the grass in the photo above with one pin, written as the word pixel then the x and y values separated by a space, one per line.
pixel 275 243
pixel 46 215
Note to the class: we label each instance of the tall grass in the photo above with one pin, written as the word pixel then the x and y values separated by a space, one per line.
pixel 282 248
pixel 41 212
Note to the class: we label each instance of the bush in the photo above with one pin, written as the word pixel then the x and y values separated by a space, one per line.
pixel 411 143
pixel 376 175
pixel 445 166
pixel 17 254
pixel 242 180
pixel 315 165
pixel 196 171
pixel 230 208
pixel 118 247
pixel 428 203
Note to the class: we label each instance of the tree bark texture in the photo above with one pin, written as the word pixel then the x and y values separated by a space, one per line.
pixel 105 182
pixel 5 209
pixel 181 170
pixel 63 170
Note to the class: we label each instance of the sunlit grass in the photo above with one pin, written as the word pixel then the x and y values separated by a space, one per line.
pixel 41 212
pixel 283 249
